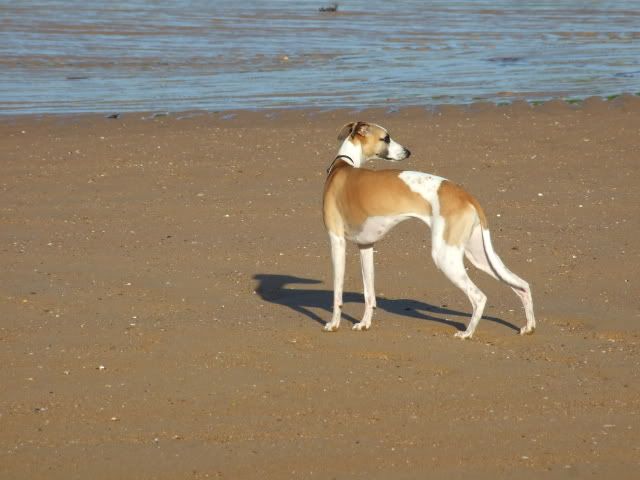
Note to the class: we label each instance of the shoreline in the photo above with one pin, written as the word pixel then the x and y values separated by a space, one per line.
pixel 229 114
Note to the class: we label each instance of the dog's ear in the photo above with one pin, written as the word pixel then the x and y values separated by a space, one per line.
pixel 346 131
pixel 352 129
pixel 361 128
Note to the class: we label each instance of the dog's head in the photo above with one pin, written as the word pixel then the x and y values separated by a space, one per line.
pixel 374 142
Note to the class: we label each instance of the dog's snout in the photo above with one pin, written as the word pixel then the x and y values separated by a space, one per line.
pixel 407 153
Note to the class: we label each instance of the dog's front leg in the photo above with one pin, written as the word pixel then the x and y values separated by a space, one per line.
pixel 338 247
pixel 366 262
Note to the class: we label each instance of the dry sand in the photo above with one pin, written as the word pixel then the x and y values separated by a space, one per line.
pixel 164 283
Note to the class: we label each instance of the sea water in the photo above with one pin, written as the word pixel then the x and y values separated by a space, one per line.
pixel 143 55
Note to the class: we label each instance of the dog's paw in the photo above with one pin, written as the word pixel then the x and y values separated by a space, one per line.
pixel 361 326
pixel 527 330
pixel 330 327
pixel 463 335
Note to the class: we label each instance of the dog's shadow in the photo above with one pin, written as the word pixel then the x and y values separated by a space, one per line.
pixel 273 288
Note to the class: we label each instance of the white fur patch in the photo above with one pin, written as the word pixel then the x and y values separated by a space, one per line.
pixel 354 152
pixel 396 151
pixel 374 228
pixel 424 185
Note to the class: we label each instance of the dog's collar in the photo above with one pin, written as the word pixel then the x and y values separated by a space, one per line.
pixel 341 157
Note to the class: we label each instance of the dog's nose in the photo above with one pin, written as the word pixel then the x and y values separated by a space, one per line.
pixel 407 153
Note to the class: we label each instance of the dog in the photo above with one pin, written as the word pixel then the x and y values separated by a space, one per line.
pixel 363 205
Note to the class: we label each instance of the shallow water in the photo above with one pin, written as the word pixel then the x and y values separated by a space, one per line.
pixel 97 56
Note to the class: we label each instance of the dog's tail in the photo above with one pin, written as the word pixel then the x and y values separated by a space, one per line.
pixel 491 263
pixel 498 268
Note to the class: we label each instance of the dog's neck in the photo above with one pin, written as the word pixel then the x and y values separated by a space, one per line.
pixel 353 151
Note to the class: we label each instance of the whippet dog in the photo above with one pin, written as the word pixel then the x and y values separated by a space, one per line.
pixel 362 205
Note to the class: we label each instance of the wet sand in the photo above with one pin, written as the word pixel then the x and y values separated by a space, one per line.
pixel 165 282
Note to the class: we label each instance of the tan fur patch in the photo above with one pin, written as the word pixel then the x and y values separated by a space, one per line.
pixel 370 138
pixel 458 208
pixel 354 194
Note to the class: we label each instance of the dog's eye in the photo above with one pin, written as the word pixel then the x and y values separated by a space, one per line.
pixel 386 139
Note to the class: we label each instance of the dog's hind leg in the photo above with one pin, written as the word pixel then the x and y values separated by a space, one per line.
pixel 338 248
pixel 449 259
pixel 474 251
pixel 477 250
pixel 527 303
pixel 366 262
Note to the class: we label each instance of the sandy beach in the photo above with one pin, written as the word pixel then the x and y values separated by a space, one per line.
pixel 165 281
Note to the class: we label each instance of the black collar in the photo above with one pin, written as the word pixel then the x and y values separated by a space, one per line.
pixel 340 157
